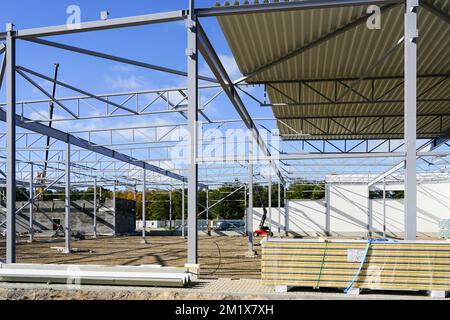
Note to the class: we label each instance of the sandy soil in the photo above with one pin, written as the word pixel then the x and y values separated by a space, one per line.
pixel 220 257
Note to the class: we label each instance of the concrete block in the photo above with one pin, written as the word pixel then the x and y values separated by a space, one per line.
pixel 251 254
pixel 282 289
pixel 194 270
pixel 438 294
pixel 354 291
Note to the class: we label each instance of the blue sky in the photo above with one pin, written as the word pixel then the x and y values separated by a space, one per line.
pixel 162 44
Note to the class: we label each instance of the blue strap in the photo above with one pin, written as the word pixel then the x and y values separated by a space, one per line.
pixel 363 260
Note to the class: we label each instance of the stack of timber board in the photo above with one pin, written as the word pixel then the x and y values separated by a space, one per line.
pixel 400 265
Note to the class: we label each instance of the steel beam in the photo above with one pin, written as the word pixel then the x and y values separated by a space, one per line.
pixel 70 87
pixel 67 220
pixel 283 6
pixel 207 208
pixel 117 59
pixel 309 156
pixel 10 118
pixel 2 70
pixel 192 67
pixel 229 88
pixel 410 90
pixel 50 96
pixel 84 144
pixel 132 21
pixel 435 10
pixel 359 21
pixel 435 143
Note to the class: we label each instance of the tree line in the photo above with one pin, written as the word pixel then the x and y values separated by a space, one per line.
pixel 159 201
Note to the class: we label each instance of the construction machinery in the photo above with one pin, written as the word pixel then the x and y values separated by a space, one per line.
pixel 262 231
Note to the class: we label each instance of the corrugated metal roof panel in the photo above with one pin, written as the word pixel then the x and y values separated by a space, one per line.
pixel 258 39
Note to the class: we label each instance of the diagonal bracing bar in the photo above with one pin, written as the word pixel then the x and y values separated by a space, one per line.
pixel 115 58
pixel 433 144
pixel 229 88
pixel 84 144
pixel 2 64
pixel 70 87
pixel 51 97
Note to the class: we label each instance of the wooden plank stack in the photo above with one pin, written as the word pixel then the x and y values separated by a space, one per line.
pixel 396 265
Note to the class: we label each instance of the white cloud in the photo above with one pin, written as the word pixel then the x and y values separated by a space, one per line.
pixel 124 77
pixel 121 68
pixel 126 83
pixel 43 115
pixel 230 66
pixel 228 63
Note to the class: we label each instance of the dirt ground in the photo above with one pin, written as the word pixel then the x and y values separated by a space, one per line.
pixel 225 271
pixel 220 257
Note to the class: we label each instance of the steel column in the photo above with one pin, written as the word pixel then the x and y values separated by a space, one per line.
pixel 327 210
pixel 11 146
pixel 67 229
pixel 207 208
pixel 95 207
pixel 286 213
pixel 114 209
pixel 192 66
pixel 270 201
pixel 279 208
pixel 384 207
pixel 410 89
pixel 369 214
pixel 170 209
pixel 250 201
pixel 30 227
pixel 245 208
pixel 183 222
pixel 144 188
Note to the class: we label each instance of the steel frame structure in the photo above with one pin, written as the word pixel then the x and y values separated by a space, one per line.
pixel 115 163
